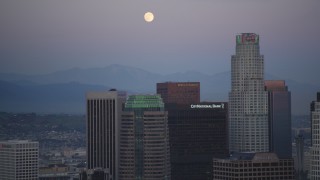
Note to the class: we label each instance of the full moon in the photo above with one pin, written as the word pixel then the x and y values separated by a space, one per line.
pixel 148 17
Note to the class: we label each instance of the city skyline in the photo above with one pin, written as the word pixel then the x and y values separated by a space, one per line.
pixel 44 37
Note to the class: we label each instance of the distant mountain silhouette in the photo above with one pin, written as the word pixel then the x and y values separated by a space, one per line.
pixel 48 98
pixel 64 91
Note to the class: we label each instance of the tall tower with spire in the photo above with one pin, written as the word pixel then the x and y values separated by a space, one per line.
pixel 248 110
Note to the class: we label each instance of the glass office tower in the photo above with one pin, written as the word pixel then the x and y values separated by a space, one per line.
pixel 279 102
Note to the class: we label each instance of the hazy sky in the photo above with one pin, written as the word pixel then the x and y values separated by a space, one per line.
pixel 42 36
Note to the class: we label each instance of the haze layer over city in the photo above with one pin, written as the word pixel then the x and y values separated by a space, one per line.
pixel 186 38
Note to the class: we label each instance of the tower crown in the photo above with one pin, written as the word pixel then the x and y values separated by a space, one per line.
pixel 247 38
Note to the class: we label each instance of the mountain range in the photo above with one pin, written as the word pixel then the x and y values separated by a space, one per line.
pixel 64 91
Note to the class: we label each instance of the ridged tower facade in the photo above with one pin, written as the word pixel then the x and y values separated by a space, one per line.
pixel 248 108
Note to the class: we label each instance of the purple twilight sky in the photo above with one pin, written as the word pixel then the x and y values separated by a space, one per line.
pixel 42 36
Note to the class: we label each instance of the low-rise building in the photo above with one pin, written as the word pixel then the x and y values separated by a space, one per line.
pixel 253 166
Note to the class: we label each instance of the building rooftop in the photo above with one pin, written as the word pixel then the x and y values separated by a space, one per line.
pixel 17 141
pixel 144 102
pixel 255 157
pixel 275 85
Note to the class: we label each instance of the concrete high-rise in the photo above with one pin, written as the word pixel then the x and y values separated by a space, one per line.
pixel 315 149
pixel 103 121
pixel 248 105
pixel 300 172
pixel 144 139
pixel 19 160
pixel 279 107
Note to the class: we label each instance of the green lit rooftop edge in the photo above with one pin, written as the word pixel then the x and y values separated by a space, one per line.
pixel 144 101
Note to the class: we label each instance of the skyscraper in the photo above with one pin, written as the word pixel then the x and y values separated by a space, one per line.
pixel 198 130
pixel 315 149
pixel 248 107
pixel 19 160
pixel 248 119
pixel 144 139
pixel 103 121
pixel 198 133
pixel 279 107
pixel 300 172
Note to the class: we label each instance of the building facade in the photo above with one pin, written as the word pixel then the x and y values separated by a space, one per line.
pixel 300 170
pixel 103 121
pixel 279 107
pixel 54 172
pixel 19 160
pixel 253 166
pixel 198 130
pixel 94 174
pixel 315 149
pixel 198 133
pixel 179 92
pixel 144 139
pixel 248 106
